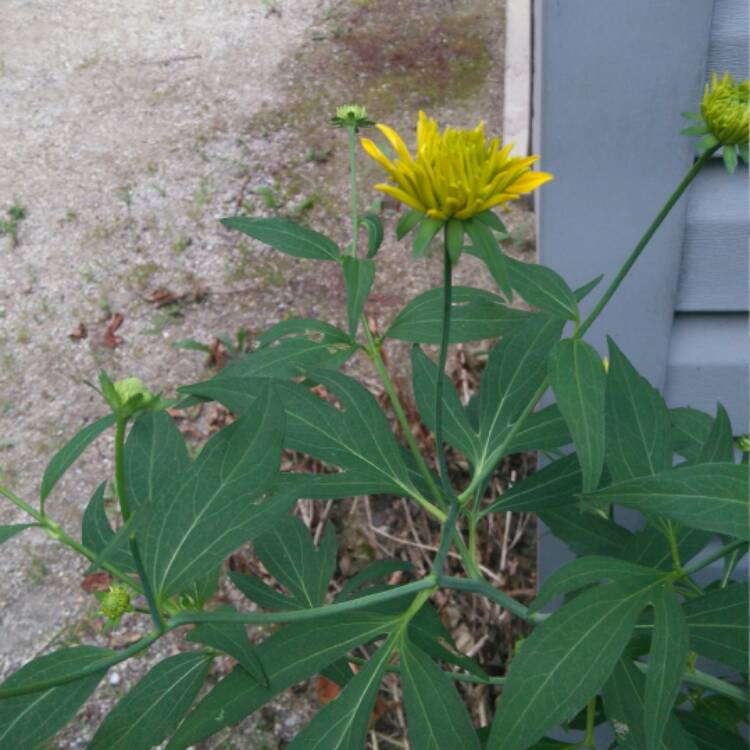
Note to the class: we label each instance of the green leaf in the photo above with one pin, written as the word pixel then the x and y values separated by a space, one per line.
pixel 515 369
pixel 97 533
pixel 289 555
pixel 287 359
pixel 694 130
pixel 231 638
pixel 436 715
pixel 706 143
pixel 69 453
pixel 407 222
pixel 8 532
pixel 287 236
pixel 151 710
pixel 492 220
pixel 289 656
pixel 191 345
pixel 458 431
pixel 543 288
pixel 260 593
pixel 358 277
pixel 712 497
pixel 743 152
pixel 556 485
pixel 583 291
pixel 425 233
pixel 156 458
pixel 708 734
pixel 28 720
pixel 624 705
pixel 377 569
pixel 587 533
pixel 718 624
pixel 690 430
pixel 375 233
pixel 578 382
pixel 730 158
pixel 454 238
pixel 563 663
pixel 475 315
pixel 542 430
pixel 719 445
pixel 591 569
pixel 637 422
pixel 312 328
pixel 342 723
pixel 650 547
pixel 666 664
pixel 213 511
pixel 488 251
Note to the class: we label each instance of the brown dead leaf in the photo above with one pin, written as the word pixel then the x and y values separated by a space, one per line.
pixel 79 332
pixel 326 690
pixel 162 297
pixel 99 581
pixel 111 341
pixel 219 355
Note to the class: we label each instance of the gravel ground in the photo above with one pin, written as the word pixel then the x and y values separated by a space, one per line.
pixel 129 128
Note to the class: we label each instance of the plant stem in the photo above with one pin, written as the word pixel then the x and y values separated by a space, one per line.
pixel 649 233
pixel 353 173
pixel 373 351
pixel 120 467
pixel 449 527
pixel 57 533
pixel 590 718
pixel 483 588
pixel 299 615
pixel 715 684
pixel 704 562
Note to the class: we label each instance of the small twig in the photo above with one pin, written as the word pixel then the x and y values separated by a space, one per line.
pixel 322 522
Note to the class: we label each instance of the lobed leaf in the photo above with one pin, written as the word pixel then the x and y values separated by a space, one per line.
pixel 358 278
pixel 543 288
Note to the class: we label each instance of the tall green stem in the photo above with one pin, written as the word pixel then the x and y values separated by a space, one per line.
pixel 649 233
pixel 449 527
pixel 353 173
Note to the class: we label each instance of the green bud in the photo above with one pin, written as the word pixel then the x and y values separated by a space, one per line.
pixel 115 603
pixel 743 443
pixel 725 110
pixel 351 116
pixel 128 396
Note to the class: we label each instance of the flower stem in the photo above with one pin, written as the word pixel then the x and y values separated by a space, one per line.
pixel 589 741
pixel 56 533
pixel 353 173
pixel 640 246
pixel 449 527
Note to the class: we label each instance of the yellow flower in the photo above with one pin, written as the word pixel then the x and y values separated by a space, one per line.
pixel 456 173
pixel 725 110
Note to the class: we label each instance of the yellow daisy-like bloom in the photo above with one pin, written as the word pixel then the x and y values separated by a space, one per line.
pixel 456 173
pixel 725 110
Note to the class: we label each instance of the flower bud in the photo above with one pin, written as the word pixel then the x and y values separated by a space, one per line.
pixel 128 396
pixel 351 116
pixel 115 603
pixel 725 110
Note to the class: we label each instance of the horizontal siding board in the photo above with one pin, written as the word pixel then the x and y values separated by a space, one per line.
pixel 708 362
pixel 713 275
pixel 728 48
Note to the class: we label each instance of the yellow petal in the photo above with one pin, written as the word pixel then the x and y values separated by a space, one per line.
pixel 395 140
pixel 530 181
pixel 399 195
pixel 375 153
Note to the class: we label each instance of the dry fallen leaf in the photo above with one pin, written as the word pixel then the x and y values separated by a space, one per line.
pixel 110 340
pixel 78 333
pixel 99 581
